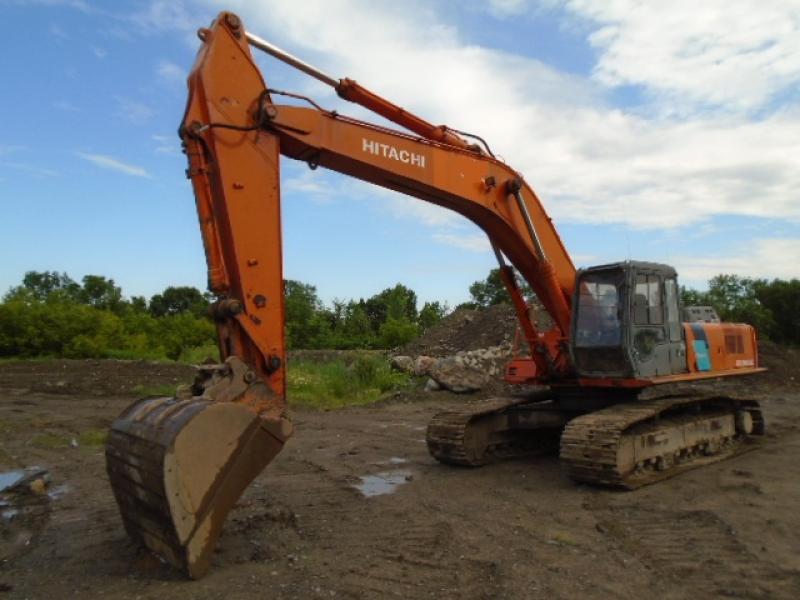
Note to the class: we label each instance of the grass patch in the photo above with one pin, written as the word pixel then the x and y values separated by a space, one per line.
pixel 50 441
pixel 336 383
pixel 198 355
pixel 14 360
pixel 159 389
pixel 93 438
pixel 563 538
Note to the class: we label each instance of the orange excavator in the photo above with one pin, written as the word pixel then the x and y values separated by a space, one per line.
pixel 178 465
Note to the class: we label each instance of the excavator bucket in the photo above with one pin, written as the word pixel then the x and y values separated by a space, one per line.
pixel 177 467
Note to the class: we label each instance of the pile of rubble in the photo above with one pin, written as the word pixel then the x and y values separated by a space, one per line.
pixel 464 330
pixel 465 352
pixel 464 371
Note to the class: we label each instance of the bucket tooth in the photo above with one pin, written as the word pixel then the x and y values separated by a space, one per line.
pixel 177 467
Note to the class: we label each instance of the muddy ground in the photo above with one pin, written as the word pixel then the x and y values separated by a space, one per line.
pixel 304 530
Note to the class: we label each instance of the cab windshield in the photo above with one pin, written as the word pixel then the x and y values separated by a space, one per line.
pixel 599 312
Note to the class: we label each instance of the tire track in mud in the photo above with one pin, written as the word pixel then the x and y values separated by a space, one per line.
pixel 407 560
pixel 697 550
pixel 374 547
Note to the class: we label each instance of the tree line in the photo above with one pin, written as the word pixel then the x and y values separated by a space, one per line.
pixel 772 307
pixel 50 314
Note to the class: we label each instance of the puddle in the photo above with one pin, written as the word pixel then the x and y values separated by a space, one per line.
pixel 394 460
pixel 12 479
pixel 9 514
pixel 382 483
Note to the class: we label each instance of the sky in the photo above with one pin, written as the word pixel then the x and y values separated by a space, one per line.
pixel 662 131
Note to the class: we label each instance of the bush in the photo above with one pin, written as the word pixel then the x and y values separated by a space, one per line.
pixel 396 332
pixel 31 328
pixel 336 383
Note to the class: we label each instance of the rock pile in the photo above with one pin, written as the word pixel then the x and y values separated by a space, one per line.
pixel 464 371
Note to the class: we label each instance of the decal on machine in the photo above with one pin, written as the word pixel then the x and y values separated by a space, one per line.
pixel 389 151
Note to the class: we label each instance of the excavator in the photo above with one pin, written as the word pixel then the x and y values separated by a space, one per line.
pixel 177 465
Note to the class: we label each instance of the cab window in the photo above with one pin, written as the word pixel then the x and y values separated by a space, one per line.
pixel 647 307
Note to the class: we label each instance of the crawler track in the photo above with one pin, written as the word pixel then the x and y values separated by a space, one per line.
pixel 478 434
pixel 621 446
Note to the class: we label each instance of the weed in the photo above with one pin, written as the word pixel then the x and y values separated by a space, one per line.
pixel 93 438
pixel 160 389
pixel 50 441
pixel 564 538
pixel 197 355
pixel 336 384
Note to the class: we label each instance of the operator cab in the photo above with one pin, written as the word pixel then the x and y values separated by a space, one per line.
pixel 626 322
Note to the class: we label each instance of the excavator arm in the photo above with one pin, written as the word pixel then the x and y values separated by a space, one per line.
pixel 178 465
pixel 234 134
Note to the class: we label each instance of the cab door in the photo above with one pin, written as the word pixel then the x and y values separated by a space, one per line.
pixel 677 342
pixel 650 340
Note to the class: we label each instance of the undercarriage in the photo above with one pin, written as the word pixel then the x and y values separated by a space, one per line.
pixel 626 444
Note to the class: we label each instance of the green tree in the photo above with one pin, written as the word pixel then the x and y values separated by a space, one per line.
pixel 493 291
pixel 782 299
pixel 43 285
pixel 735 300
pixel 138 303
pixel 306 325
pixel 431 313
pixel 356 329
pixel 692 297
pixel 99 292
pixel 396 332
pixel 398 302
pixel 178 299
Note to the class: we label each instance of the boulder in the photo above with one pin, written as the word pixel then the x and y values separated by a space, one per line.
pixel 403 363
pixel 456 377
pixel 423 365
pixel 432 386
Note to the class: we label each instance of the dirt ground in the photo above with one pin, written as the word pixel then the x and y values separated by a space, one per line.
pixel 303 530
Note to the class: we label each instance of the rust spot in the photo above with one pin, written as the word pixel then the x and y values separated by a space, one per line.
pixel 260 301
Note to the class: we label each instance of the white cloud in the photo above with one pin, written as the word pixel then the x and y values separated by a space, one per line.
pixel 507 8
pixel 79 5
pixel 311 186
pixel 767 258
pixel 736 54
pixel 99 52
pixel 134 111
pixel 590 163
pixel 167 144
pixel 108 162
pixel 163 15
pixel 170 73
pixel 471 242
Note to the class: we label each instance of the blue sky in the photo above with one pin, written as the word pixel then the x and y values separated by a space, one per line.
pixel 667 133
